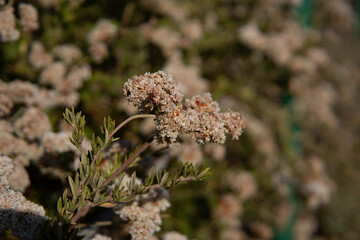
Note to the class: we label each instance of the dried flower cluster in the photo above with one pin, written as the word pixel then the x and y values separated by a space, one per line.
pixel 200 116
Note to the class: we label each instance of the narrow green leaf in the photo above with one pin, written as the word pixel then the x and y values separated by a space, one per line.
pixel 164 179
pixel 72 186
pixel 203 173
pixel 59 205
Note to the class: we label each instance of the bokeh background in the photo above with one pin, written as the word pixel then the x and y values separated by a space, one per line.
pixel 291 67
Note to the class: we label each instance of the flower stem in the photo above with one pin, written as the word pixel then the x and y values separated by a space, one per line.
pixel 119 127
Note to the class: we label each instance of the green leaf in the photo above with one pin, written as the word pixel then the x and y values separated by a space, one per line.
pixel 164 179
pixel 72 187
pixel 204 174
pixel 59 205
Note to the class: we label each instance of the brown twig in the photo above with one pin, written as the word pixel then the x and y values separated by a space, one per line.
pixel 81 211
pixel 128 162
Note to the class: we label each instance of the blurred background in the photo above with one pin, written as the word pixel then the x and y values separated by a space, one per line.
pixel 291 67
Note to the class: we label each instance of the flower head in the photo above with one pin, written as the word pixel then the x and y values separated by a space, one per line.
pixel 200 116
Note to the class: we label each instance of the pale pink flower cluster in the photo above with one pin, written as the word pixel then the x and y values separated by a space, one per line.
pixel 57 142
pixel 167 39
pixel 38 57
pixel 340 14
pixel 215 151
pixel 53 74
pixel 26 137
pixel 63 75
pixel 104 31
pixel 153 93
pixel 98 37
pixel 279 46
pixel 19 139
pixel 10 145
pixel 305 228
pixel 317 186
pixel 8 31
pixel 57 76
pixel 173 236
pixel 28 17
pixel 19 179
pixel 261 230
pixel 20 92
pixel 192 29
pixel 75 78
pixel 32 125
pixel 145 219
pixel 243 183
pixel 5 105
pixel 22 152
pixel 200 116
pixel 16 213
pixel 188 76
pixel 67 53
pixel 230 205
pixel 98 51
pixel 228 210
pixel 189 152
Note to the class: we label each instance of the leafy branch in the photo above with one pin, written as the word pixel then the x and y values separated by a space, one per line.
pixel 89 182
pixel 90 185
